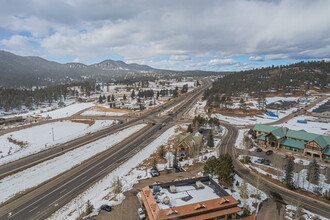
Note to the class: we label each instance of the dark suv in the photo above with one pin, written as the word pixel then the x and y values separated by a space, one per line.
pixel 106 208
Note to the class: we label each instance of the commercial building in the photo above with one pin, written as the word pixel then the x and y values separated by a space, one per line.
pixel 196 198
pixel 309 144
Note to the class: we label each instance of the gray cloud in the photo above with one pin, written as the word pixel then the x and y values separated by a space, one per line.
pixel 145 30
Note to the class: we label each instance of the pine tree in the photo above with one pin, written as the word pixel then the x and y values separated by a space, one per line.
pixel 190 129
pixel 175 160
pixel 211 165
pixel 210 141
pixel 288 179
pixel 124 97
pixel 225 170
pixel 133 94
pixel 313 172
pixel 162 151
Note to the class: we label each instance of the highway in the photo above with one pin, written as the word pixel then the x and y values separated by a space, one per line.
pixel 34 159
pixel 290 197
pixel 44 200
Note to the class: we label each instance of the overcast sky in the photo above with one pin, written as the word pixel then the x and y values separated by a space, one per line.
pixel 171 34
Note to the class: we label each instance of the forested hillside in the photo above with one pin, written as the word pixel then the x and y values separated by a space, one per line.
pixel 281 79
pixel 16 98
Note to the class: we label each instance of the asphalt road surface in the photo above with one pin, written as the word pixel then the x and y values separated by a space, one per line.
pixel 290 197
pixel 44 200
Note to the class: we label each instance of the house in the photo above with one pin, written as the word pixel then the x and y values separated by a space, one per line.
pixel 308 144
pixel 189 144
pixel 196 198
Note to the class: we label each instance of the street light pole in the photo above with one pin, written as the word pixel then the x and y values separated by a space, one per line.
pixel 53 134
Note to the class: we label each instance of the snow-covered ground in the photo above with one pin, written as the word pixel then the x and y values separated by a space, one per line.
pixel 35 175
pixel 299 177
pixel 67 111
pixel 310 126
pixel 24 112
pixel 240 137
pixel 180 84
pixel 291 210
pixel 251 190
pixel 198 109
pixel 101 190
pixel 38 138
pixel 251 120
pixel 98 112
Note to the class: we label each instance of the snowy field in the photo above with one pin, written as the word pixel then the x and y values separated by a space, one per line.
pixel 180 84
pixel 35 175
pixel 253 104
pixel 67 111
pixel 38 110
pixel 96 112
pixel 28 141
pixel 101 190
pixel 312 127
pixel 251 120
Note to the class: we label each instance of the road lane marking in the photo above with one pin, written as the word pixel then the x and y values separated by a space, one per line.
pixel 34 209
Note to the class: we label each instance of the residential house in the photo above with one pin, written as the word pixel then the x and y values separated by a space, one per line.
pixel 189 144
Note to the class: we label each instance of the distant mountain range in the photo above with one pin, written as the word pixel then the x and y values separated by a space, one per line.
pixel 21 72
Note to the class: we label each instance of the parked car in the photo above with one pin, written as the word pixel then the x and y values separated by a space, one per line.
pixel 153 123
pixel 260 160
pixel 154 172
pixel 269 152
pixel 141 213
pixel 179 169
pixel 266 162
pixel 258 150
pixel 106 208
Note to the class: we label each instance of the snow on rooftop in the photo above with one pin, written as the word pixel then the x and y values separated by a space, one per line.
pixel 176 199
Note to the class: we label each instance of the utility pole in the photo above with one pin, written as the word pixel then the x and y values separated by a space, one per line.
pixel 53 134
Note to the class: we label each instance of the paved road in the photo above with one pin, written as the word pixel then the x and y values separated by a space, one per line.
pixel 289 196
pixel 34 159
pixel 46 199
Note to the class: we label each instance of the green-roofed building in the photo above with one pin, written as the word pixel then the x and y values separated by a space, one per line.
pixel 314 145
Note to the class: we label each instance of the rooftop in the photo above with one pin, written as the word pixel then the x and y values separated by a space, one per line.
pixel 185 199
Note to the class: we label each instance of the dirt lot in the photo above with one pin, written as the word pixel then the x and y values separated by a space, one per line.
pixel 128 209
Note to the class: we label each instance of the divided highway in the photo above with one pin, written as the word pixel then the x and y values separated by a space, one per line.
pixel 41 202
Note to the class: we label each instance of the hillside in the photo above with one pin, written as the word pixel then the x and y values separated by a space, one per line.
pixel 26 72
pixel 281 79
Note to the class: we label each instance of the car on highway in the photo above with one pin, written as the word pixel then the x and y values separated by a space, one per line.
pixel 276 196
pixel 141 213
pixel 266 162
pixel 269 152
pixel 154 172
pixel 260 160
pixel 258 150
pixel 106 208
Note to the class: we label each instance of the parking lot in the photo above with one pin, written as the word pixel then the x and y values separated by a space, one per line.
pixel 128 208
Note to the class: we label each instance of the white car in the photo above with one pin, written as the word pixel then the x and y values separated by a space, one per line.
pixel 141 213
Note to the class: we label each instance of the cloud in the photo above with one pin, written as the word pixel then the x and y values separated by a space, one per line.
pixel 150 30
pixel 76 60
pixel 180 57
pixel 227 61
pixel 256 58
